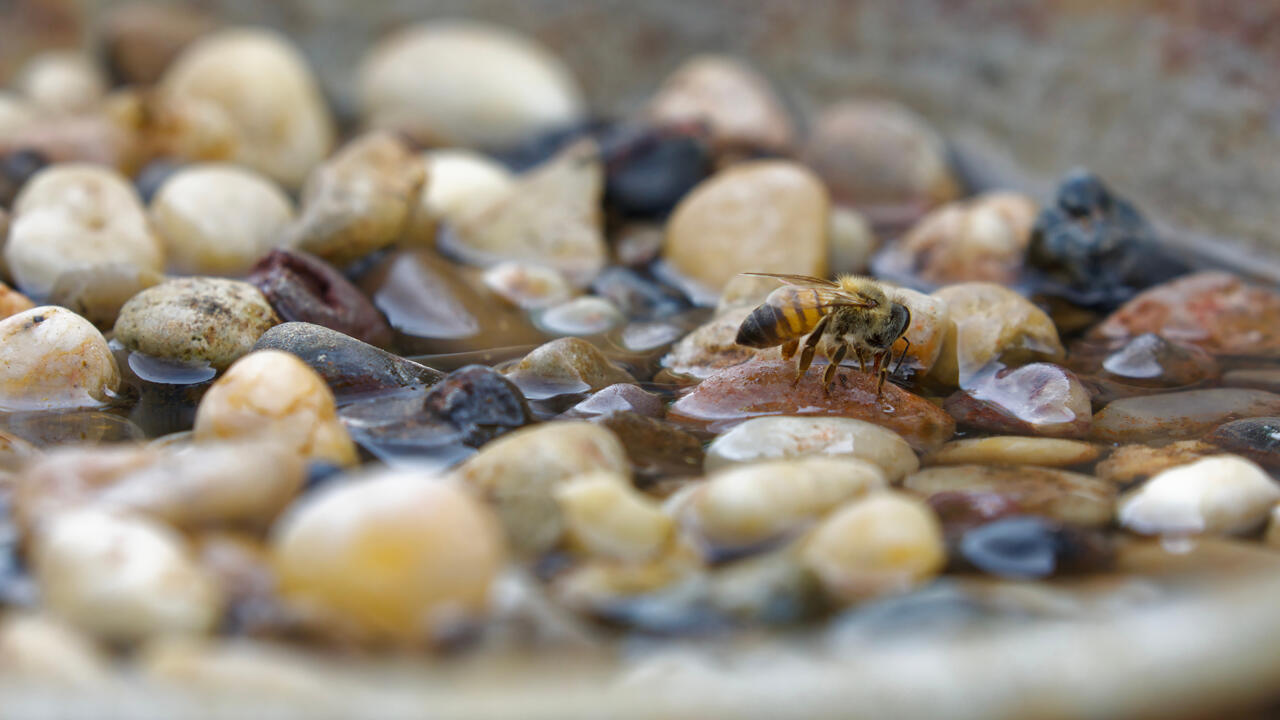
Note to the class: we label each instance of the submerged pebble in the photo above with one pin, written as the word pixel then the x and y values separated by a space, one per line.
pixel 1065 496
pixel 528 286
pixel 53 359
pixel 304 288
pixel 1036 399
pixel 1224 494
pixel 616 398
pixel 349 367
pixel 587 315
pixel 1257 439
pixel 1151 361
pixel 1179 415
pixel 479 403
pixel 564 367
pixel 785 438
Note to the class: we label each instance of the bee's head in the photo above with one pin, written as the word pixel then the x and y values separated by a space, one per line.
pixel 899 320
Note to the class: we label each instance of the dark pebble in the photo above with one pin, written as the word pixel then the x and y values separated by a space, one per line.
pixel 1255 438
pixel 153 175
pixel 656 449
pixel 303 288
pixel 349 366
pixel 648 171
pixel 479 403
pixel 640 298
pixel 1029 547
pixel 16 168
pixel 960 512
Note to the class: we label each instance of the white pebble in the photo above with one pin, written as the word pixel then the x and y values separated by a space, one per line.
pixel 51 358
pixel 1223 494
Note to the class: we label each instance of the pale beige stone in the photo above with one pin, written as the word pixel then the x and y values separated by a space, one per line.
pixel 51 358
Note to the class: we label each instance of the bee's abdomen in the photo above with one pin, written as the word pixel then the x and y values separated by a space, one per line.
pixel 771 324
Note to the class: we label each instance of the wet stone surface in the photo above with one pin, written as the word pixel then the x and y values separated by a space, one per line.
pixel 1065 496
pixel 1037 399
pixel 1255 438
pixel 1181 415
pixel 348 366
pixel 1026 547
pixel 656 450
pixel 478 402
pixel 304 288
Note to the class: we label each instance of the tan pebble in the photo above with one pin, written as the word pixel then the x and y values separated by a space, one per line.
pixel 16 114
pixel 235 665
pixel 527 285
pixel 62 81
pixel 1222 494
pixel 852 242
pixel 1013 450
pixel 979 240
pixel 1179 415
pixel 1129 463
pixel 272 395
pixel 605 517
pixel 12 302
pixel 51 358
pixel 742 112
pixel 121 578
pixel 43 649
pixel 600 583
pixel 713 345
pixel 1068 497
pixel 884 543
pixel 992 322
pixel 786 437
pixel 395 556
pixel 565 366
pixel 928 332
pixel 462 182
pixel 1273 527
pixel 98 293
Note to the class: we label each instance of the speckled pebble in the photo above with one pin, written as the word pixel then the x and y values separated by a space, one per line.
pixel 1129 463
pixel 51 358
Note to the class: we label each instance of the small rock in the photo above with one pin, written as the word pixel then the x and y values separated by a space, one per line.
pixel 141 39
pixel 604 517
pixel 713 346
pixel 978 240
pixel 97 293
pixel 1038 399
pixel 649 169
pixel 564 367
pixel 121 578
pixel 519 472
pixel 462 182
pixel 304 288
pixel 71 217
pixel 928 332
pixel 51 358
pixel 1179 415
pixel 219 219
pixel 1151 361
pixel 1257 378
pixel 742 507
pixel 398 556
pixel 528 286
pixel 40 649
pixel 961 511
pixel 551 215
pixel 1030 548
pixel 66 427
pixel 761 216
pixel 885 543
pixel 1128 464
pixel 637 296
pixel 851 240
pixel 261 86
pixel 1215 311
pixel 1068 497
pixel 479 403
pixel 992 322
pixel 739 108
pixel 663 596
pixel 637 244
pixel 1009 450
pixel 762 387
pixel 195 320
pixel 360 200
pixel 1224 494
pixel 174 129
pixel 12 302
pixel 615 398
pixel 881 158
pixel 15 453
pixel 1095 248
pixel 1257 439
pixel 587 315
pixel 656 449
pixel 349 367
pixel 272 395
pixel 59 81
pixel 465 83
pixel 785 438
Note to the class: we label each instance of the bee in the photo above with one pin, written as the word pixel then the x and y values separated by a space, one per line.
pixel 850 314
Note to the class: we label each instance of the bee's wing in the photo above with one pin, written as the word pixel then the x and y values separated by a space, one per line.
pixel 801 280
pixel 829 298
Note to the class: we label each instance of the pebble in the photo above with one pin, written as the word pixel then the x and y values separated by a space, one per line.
pixel 737 104
pixel 1151 361
pixel 360 200
pixel 462 182
pixel 397 556
pixel 649 169
pixel 637 244
pixel 219 219
pixel 1223 494
pixel 195 320
pixel 1179 415
pixel 657 450
pixel 1032 548
pixel 249 667
pixel 759 216
pixel 961 511
pixel 1257 439
pixel 663 596
pixel 61 82
pixel 12 302
pixel 885 543
pixel 851 242
pixel 65 427
pixel 615 398
pixel 261 86
pixel 303 288
pixel 479 403
pixel 97 293
pixel 53 359
pixel 73 216
pixel 1037 399
pixel 551 215
pixel 882 159
pixel 349 367
pixel 15 453
pixel 1012 450
pixel 586 315
pixel 787 438
pixel 1094 247
pixel 928 332
pixel 992 322
pixel 528 286
pixel 762 387
pixel 979 240
pixel 1067 497
pixel 713 346
pixel 1215 311
pixel 1128 464
pixel 141 40
pixel 42 649
pixel 468 84
pixel 272 395
pixel 565 366
pixel 640 298
pixel 518 474
pixel 742 507
pixel 606 518
pixel 1258 378
pixel 121 578
pixel 189 488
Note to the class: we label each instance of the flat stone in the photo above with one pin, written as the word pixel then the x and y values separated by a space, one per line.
pixel 786 438
pixel 1255 438
pixel 348 366
pixel 1180 415
pixel 1064 496
pixel 1011 450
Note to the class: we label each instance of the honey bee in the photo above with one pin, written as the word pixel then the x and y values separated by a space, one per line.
pixel 850 314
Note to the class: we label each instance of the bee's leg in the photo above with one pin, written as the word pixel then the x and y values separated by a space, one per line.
pixel 862 360
pixel 789 349
pixel 833 365
pixel 881 369
pixel 810 345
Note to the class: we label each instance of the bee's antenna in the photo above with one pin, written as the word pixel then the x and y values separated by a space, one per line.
pixel 903 356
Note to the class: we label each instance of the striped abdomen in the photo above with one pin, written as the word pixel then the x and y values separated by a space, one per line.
pixel 788 313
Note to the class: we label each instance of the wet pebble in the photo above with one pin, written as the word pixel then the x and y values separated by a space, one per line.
pixel 1179 415
pixel 637 296
pixel 1065 496
pixel 97 293
pixel 349 367
pixel 605 517
pixel 304 288
pixel 1224 494
pixel 737 105
pixel 466 83
pixel 761 216
pixel 1031 548
pixel 272 395
pixel 195 320
pixel 657 450
pixel 1130 463
pixel 961 511
pixel 479 403
pixel 51 359
pixel 1257 439
pixel 978 240
pixel 1258 378
pixel 1011 450
pixel 528 286
pixel 762 387
pixel 360 200
pixel 928 333
pixel 65 427
pixel 885 543
pixel 586 315
pixel 565 366
pixel 615 398
pixel 12 302
pixel 121 578
pixel 1037 399
pixel 398 556
pixel 38 648
pixel 992 322
pixel 785 438
pixel 713 346
pixel 219 219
